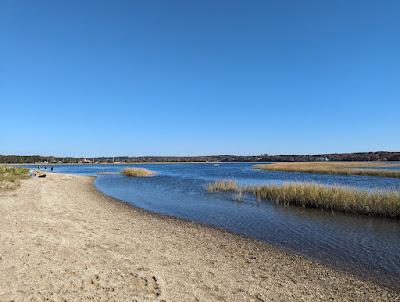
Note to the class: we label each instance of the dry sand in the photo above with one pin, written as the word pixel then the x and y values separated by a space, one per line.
pixel 61 240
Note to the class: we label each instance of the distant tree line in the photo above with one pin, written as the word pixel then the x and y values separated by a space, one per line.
pixel 361 156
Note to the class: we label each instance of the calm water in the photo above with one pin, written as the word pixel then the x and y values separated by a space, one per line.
pixel 364 245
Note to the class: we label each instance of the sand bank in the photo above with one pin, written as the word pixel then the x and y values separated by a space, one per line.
pixel 61 240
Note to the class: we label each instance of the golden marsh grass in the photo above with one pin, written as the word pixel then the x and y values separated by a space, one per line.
pixel 137 172
pixel 341 168
pixel 222 185
pixel 335 198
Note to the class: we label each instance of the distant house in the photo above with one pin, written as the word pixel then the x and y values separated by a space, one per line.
pixel 323 159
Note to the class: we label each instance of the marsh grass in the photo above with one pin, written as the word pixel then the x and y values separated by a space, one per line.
pixel 138 172
pixel 334 198
pixel 10 177
pixel 341 168
pixel 222 186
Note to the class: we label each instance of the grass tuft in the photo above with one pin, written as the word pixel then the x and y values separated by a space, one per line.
pixel 341 168
pixel 10 177
pixel 222 185
pixel 336 198
pixel 137 172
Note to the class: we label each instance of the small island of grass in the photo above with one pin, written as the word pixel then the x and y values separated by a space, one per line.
pixel 341 168
pixel 138 172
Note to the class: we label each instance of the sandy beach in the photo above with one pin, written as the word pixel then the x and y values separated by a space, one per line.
pixel 62 240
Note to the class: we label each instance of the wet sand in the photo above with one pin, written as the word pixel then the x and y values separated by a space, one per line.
pixel 61 240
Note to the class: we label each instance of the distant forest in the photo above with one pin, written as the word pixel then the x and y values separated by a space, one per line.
pixel 362 156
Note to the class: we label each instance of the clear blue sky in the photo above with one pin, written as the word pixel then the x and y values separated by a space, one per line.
pixel 90 78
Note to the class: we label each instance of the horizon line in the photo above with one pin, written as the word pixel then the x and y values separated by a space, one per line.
pixel 205 155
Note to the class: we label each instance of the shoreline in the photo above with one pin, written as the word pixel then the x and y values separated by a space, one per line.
pixel 385 283
pixel 132 163
pixel 115 250
pixel 255 163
